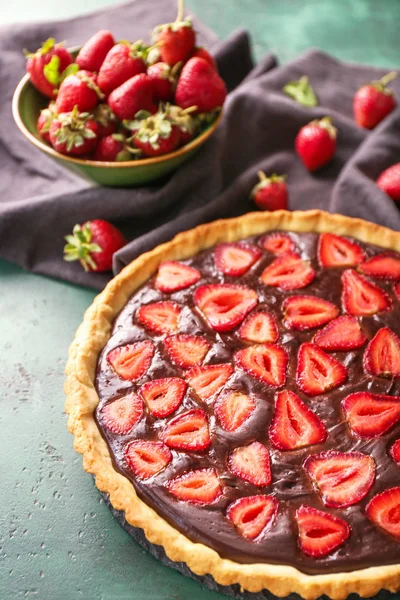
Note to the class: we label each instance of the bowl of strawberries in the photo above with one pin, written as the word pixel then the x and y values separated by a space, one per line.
pixel 121 113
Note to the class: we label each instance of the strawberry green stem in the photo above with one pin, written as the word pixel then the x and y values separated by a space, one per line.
pixel 388 78
pixel 181 8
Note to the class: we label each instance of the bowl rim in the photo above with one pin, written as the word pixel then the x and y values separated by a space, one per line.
pixel 197 141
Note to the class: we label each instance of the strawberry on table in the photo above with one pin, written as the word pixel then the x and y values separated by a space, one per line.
pixel 79 89
pixel 395 451
pixel 361 297
pixel 389 182
pixel 319 532
pixel 374 101
pixel 233 410
pixel 252 515
pixel 382 266
pixel 160 317
pixel 187 350
pixel 344 333
pixel 223 305
pixel 122 62
pixel 251 463
pixel 200 486
pixel 92 54
pixel 48 65
pixel 200 85
pixel 316 143
pixel 337 251
pixel 130 97
pixel 45 120
pixel 132 361
pixel 188 431
pixel 163 396
pixel 384 511
pixel 147 459
pixel 266 362
pixel 288 272
pixel 156 135
pixel 307 312
pixel 259 327
pixel 122 414
pixel 382 355
pixel 271 192
pixel 73 133
pixel 208 380
pixel 113 148
pixel 235 259
pixel 278 243
pixel 371 415
pixel 173 276
pixel 318 372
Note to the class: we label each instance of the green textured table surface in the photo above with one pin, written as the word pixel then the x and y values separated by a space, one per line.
pixel 58 541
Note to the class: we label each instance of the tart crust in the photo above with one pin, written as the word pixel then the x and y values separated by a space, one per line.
pixel 82 400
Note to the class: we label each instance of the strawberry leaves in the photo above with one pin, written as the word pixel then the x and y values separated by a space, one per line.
pixel 301 91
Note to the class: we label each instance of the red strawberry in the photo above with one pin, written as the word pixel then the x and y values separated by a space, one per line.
pixel 395 451
pixel 188 431
pixel 259 327
pixel 175 40
pixel 233 410
pixel 92 54
pixel 317 372
pixel 164 79
pixel 207 381
pixel 184 120
pixel 223 305
pixel 252 515
pixel 47 65
pixel 146 459
pixel 122 414
pixel 132 361
pixel 122 62
pixel 396 289
pixel 130 97
pixel 163 396
pixel 112 148
pixel 156 135
pixel 319 532
pixel 373 102
pixel 382 266
pixel 187 350
pixel 267 362
pixel 160 317
pixel 201 52
pixel 337 251
pixel 200 85
pixel 316 143
pixel 288 272
pixel 94 243
pixel 201 486
pixel 235 259
pixel 389 182
pixel 294 425
pixel 251 463
pixel 271 192
pixel 105 119
pixel 371 415
pixel 306 312
pixel 382 356
pixel 173 276
pixel 361 297
pixel 384 511
pixel 342 478
pixel 73 134
pixel 344 333
pixel 278 243
pixel 46 117
pixel 79 89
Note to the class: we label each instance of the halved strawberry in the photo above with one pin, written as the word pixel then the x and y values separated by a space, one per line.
pixel 382 355
pixel 317 372
pixel 163 396
pixel 319 532
pixel 252 515
pixel 278 243
pixel 267 362
pixel 251 463
pixel 396 289
pixel 201 486
pixel 384 511
pixel 188 431
pixel 382 266
pixel 224 306
pixel 294 425
pixel 371 415
pixel 187 350
pixel 344 333
pixel 208 380
pixel 288 272
pixel 173 276
pixel 361 297
pixel 306 312
pixel 235 259
pixel 146 458
pixel 234 409
pixel 395 451
pixel 122 414
pixel 337 251
pixel 160 317
pixel 342 478
pixel 259 327
pixel 132 360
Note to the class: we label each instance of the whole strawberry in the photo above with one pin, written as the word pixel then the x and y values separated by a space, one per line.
pixel 201 52
pixel 316 143
pixel 200 85
pixel 389 182
pixel 105 119
pixel 122 62
pixel 92 54
pixel 156 135
pixel 47 65
pixel 184 120
pixel 94 244
pixel 175 40
pixel 45 120
pixel 270 193
pixel 113 148
pixel 164 80
pixel 133 95
pixel 74 133
pixel 78 90
pixel 373 102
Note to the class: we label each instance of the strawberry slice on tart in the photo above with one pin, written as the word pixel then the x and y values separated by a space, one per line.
pixel 223 305
pixel 121 415
pixel 361 297
pixel 187 431
pixel 337 251
pixel 384 511
pixel 251 463
pixel 235 259
pixel 200 486
pixel 147 458
pixel 266 362
pixel 259 327
pixel 371 415
pixel 395 451
pixel 173 276
pixel 187 350
pixel 252 515
pixel 209 379
pixel 159 317
pixel 343 333
pixel 163 396
pixel 382 266
pixel 233 410
pixel 307 312
pixel 278 243
pixel 320 533
pixel 288 272
pixel 382 355
pixel 132 361
pixel 318 372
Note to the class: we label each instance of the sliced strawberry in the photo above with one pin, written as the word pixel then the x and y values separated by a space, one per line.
pixel 121 415
pixel 207 381
pixel 267 362
pixel 132 360
pixel 160 317
pixel 395 451
pixel 288 272
pixel 382 266
pixel 146 458
pixel 294 425
pixel 382 355
pixel 361 297
pixel 251 463
pixel 259 327
pixel 163 396
pixel 319 532
pixel 344 333
pixel 371 415
pixel 306 312
pixel 224 306
pixel 235 259
pixel 317 372
pixel 278 243
pixel 342 478
pixel 201 486
pixel 173 276
pixel 234 409
pixel 384 511
pixel 187 350
pixel 396 289
pixel 337 251
pixel 188 431
pixel 252 515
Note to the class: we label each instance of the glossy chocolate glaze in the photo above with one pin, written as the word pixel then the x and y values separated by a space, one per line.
pixel 367 545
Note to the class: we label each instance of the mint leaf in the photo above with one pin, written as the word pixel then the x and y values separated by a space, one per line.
pixel 301 91
pixel 52 70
